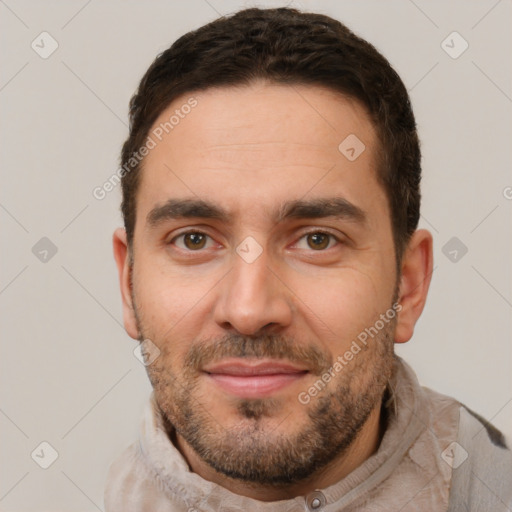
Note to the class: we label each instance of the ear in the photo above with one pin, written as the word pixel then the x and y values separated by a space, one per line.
pixel 414 283
pixel 122 258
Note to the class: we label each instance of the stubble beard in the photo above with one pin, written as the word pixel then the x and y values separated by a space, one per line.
pixel 283 454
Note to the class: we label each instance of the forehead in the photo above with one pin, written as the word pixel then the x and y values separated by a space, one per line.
pixel 258 144
pixel 315 118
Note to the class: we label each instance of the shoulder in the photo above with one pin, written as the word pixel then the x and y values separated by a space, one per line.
pixel 482 466
pixel 131 486
pixel 473 452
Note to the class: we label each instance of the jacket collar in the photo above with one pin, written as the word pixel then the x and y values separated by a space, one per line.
pixel 407 417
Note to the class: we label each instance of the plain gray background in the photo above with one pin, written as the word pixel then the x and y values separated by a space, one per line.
pixel 68 373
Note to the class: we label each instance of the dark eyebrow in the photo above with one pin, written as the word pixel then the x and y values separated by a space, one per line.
pixel 185 208
pixel 324 207
pixel 298 209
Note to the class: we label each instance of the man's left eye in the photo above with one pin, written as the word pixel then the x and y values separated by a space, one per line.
pixel 318 241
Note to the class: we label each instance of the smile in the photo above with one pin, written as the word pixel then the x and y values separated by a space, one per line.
pixel 254 379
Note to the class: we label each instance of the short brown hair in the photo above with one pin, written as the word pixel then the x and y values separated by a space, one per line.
pixel 286 46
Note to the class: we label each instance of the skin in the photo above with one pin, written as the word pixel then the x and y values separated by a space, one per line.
pixel 250 149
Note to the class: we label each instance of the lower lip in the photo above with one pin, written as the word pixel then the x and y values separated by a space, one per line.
pixel 255 386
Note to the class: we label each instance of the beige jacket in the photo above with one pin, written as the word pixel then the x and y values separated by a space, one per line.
pixel 435 455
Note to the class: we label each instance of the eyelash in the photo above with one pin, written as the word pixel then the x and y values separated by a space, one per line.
pixel 312 232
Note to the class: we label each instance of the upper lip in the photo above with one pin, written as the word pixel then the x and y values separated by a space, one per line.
pixel 252 368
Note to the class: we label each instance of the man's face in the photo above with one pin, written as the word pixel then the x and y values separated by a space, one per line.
pixel 261 252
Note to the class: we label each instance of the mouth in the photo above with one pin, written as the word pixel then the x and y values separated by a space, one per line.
pixel 254 378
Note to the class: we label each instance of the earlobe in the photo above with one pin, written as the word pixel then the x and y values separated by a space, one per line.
pixel 122 258
pixel 417 264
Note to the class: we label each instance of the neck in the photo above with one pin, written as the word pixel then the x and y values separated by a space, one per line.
pixel 365 445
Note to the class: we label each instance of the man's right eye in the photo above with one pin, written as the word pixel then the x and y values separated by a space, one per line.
pixel 192 241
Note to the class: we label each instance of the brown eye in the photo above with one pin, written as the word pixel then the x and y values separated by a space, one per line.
pixel 194 241
pixel 318 241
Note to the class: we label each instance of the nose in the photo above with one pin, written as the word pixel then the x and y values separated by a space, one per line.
pixel 253 298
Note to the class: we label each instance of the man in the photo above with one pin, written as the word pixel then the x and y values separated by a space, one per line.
pixel 269 261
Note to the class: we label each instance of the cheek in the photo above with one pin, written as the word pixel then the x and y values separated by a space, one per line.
pixel 341 306
pixel 172 309
pixel 162 296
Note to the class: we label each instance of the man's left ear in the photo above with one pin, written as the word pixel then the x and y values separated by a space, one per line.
pixel 417 263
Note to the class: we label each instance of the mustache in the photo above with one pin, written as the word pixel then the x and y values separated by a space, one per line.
pixel 268 346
